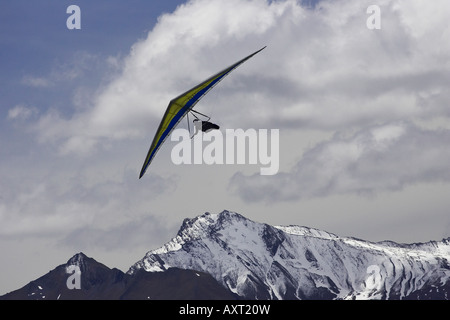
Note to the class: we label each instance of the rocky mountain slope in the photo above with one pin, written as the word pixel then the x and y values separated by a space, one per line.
pixel 98 282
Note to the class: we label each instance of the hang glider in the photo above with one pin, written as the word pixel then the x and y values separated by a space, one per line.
pixel 181 106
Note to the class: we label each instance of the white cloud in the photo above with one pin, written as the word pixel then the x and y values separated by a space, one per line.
pixel 322 69
pixel 63 201
pixel 37 82
pixel 21 112
pixel 72 68
pixel 376 159
pixel 140 231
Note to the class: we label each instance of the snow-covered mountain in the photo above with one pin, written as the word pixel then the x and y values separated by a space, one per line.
pixel 258 261
pixel 226 256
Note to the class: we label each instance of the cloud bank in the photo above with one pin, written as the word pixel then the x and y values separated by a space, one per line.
pixel 375 159
pixel 323 68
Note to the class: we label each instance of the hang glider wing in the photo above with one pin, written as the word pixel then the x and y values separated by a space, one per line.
pixel 180 106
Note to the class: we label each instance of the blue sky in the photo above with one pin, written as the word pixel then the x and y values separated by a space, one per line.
pixel 36 45
pixel 34 38
pixel 363 119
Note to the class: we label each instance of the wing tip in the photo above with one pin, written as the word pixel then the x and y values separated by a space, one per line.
pixel 261 49
pixel 142 173
pixel 258 51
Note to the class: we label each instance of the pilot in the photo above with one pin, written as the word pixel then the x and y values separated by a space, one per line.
pixel 205 126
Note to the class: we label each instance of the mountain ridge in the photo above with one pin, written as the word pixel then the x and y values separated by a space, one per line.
pixel 227 256
pixel 99 282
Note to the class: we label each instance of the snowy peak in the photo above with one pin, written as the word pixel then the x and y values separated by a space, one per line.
pixel 207 223
pixel 80 260
pixel 259 261
pixel 77 259
pixel 204 226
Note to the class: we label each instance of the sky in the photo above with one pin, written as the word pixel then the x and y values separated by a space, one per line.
pixel 362 114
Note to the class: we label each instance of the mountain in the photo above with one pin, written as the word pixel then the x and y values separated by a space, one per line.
pixel 98 282
pixel 259 261
pixel 226 256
